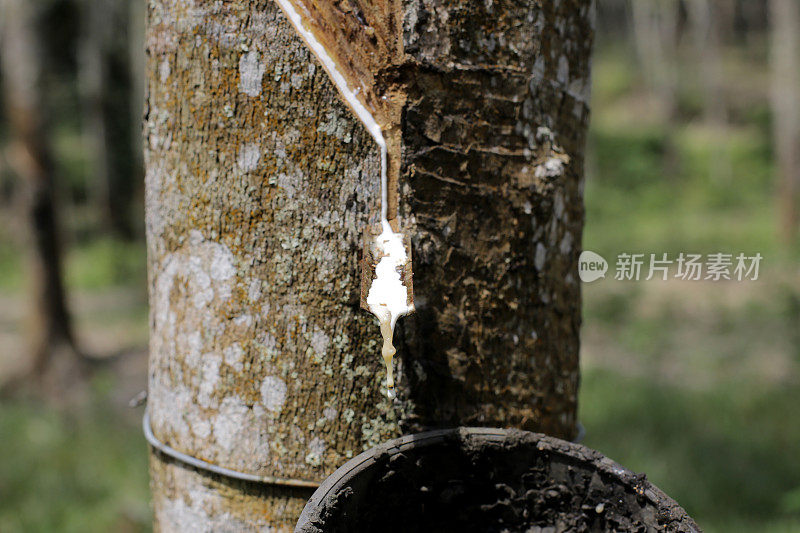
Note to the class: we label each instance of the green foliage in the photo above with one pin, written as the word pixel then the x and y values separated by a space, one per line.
pixel 77 472
pixel 674 380
pixel 96 265
pixel 669 185
pixel 11 276
pixel 73 169
pixel 105 263
pixel 727 454
pixel 719 198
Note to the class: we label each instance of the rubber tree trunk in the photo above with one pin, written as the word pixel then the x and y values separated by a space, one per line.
pixel 785 98
pixel 55 363
pixel 260 183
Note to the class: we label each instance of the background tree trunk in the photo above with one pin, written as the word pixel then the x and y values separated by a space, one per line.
pixel 135 64
pixel 55 361
pixel 260 183
pixel 655 32
pixel 706 18
pixel 785 58
pixel 108 123
pixel 92 75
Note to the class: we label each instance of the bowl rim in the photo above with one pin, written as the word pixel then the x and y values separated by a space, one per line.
pixel 575 453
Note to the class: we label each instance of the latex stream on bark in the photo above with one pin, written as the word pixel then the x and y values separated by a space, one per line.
pixel 388 296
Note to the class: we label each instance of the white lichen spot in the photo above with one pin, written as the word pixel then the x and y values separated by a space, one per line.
pixel 254 290
pixel 566 244
pixel 329 413
pixel 201 428
pixel 201 512
pixel 209 378
pixel 233 356
pixel 315 450
pixel 419 370
pixel 230 420
pixel 273 393
pixel 269 344
pixel 164 70
pixel 544 134
pixel 563 70
pixel 539 258
pixel 297 80
pixel 319 343
pixel 154 182
pixel 288 184
pixel 194 343
pixel 223 292
pixel 222 264
pixel 581 90
pixel 249 154
pixel 202 292
pixel 551 168
pixel 211 261
pixel 251 70
pixel 336 125
pixel 538 69
pixel 169 419
pixel 558 205
pixel 242 321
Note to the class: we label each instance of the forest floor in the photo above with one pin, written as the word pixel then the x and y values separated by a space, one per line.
pixel 696 384
pixel 80 467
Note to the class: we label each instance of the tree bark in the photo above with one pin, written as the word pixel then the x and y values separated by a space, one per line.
pixel 260 183
pixel 785 59
pixel 55 362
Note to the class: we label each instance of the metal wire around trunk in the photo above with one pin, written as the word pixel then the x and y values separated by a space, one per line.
pixel 216 469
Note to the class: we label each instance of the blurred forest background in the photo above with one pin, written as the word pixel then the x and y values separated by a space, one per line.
pixel 694 147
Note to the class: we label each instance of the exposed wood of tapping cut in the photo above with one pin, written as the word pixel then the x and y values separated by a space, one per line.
pixel 364 39
pixel 371 256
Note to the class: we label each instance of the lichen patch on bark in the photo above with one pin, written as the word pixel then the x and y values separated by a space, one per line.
pixel 251 70
pixel 273 393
